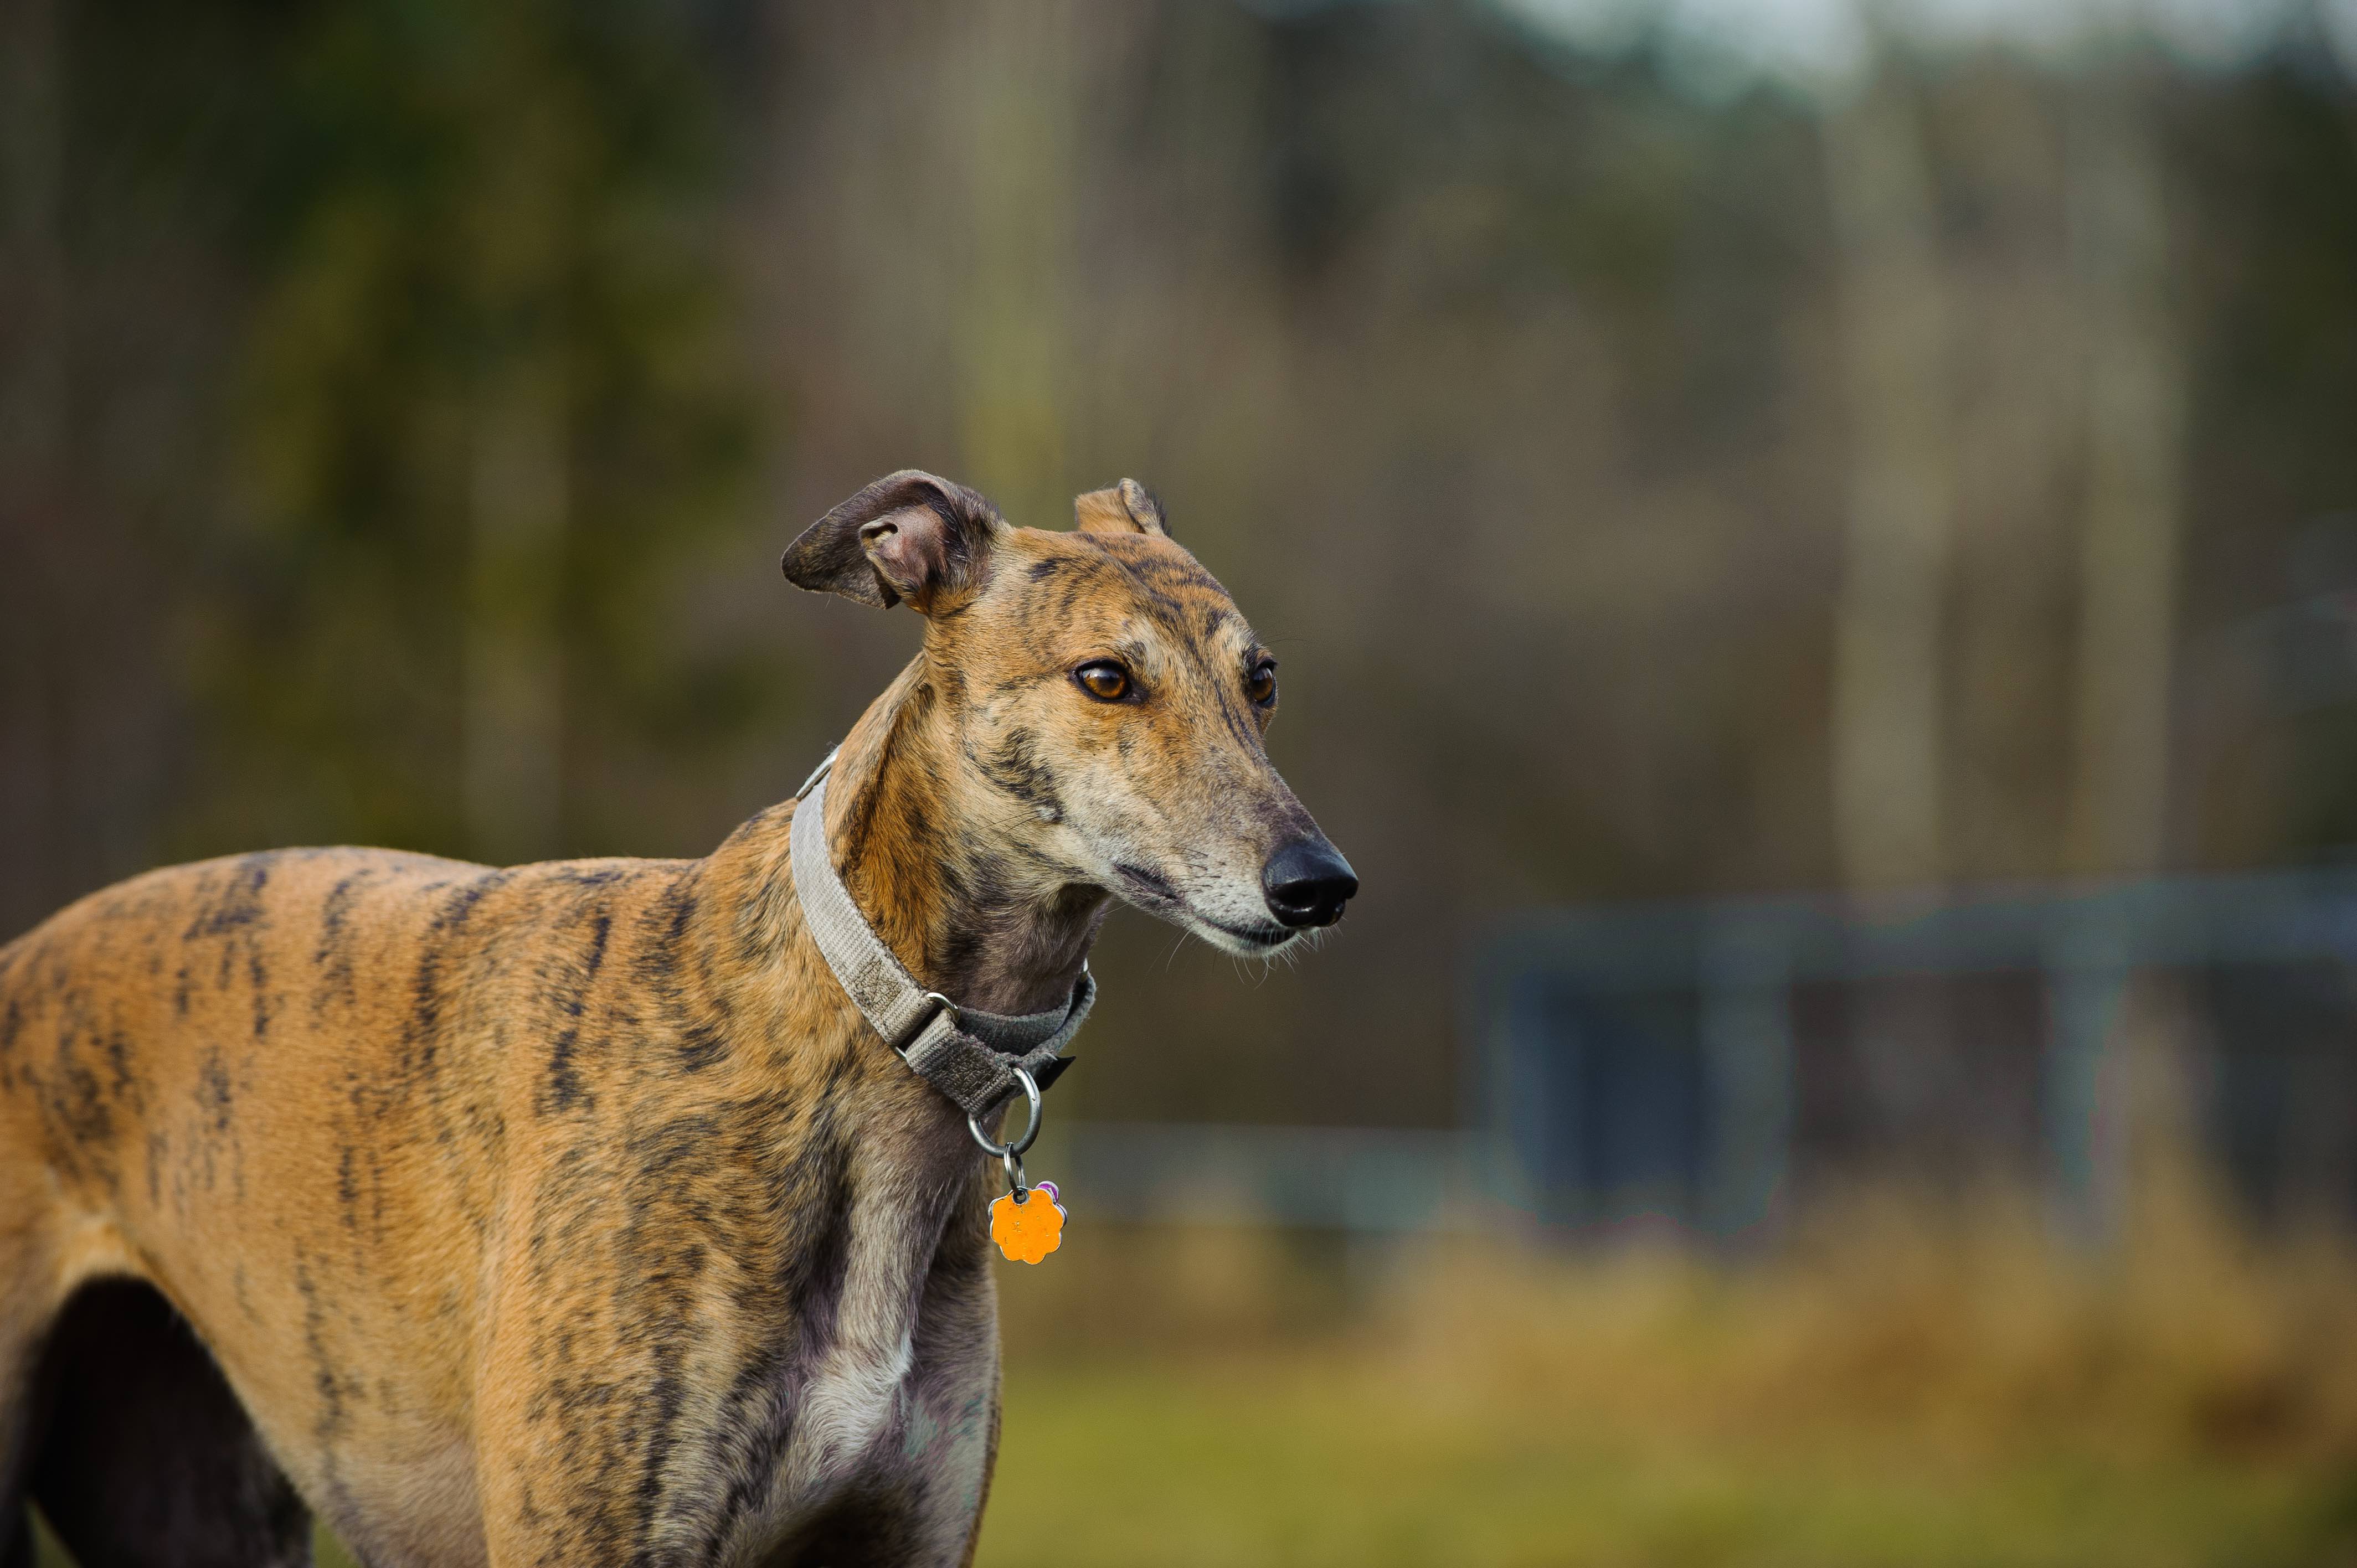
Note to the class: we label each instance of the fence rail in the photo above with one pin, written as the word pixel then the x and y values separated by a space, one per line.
pixel 1547 997
pixel 1360 1179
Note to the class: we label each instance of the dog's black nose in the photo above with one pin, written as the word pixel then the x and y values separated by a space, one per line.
pixel 1306 883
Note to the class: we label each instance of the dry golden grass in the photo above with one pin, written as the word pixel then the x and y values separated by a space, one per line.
pixel 1968 1334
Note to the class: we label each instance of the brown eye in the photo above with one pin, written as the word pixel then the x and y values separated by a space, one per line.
pixel 1261 684
pixel 1104 680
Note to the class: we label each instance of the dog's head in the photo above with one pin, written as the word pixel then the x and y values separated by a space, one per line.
pixel 1108 702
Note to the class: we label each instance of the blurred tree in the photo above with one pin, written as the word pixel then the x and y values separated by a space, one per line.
pixel 485 396
pixel 2000 144
pixel 32 437
pixel 1889 778
pixel 1017 92
pixel 126 145
pixel 2136 393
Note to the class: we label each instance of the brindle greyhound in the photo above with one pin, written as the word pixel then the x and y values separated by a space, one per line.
pixel 575 1213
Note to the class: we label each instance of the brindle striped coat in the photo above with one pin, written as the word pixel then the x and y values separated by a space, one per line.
pixel 570 1213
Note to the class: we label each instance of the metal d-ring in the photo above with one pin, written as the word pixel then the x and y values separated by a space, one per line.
pixel 1012 1150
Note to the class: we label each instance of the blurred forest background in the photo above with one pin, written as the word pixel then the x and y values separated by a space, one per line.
pixel 1677 450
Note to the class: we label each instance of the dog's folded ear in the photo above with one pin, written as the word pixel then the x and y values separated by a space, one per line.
pixel 910 535
pixel 1125 508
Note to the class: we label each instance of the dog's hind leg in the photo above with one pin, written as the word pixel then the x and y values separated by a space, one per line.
pixel 22 1329
pixel 144 1457
pixel 15 1522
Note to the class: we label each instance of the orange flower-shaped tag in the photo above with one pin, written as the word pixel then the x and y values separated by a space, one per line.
pixel 1030 1231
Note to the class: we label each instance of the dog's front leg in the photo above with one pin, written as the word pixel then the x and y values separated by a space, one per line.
pixel 914 1501
pixel 582 1411
pixel 946 1439
pixel 921 1503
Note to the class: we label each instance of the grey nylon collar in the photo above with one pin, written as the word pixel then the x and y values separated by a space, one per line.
pixel 969 1055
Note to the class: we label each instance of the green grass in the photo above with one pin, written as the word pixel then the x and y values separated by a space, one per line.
pixel 1119 1465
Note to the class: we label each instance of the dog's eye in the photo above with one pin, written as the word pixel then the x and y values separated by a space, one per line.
pixel 1103 679
pixel 1261 684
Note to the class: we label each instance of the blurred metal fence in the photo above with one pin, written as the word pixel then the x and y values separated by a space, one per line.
pixel 1698 1066
pixel 1697 1061
pixel 1358 1179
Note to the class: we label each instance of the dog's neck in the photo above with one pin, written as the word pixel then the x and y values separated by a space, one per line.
pixel 924 865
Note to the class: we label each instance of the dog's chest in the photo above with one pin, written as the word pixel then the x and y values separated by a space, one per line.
pixel 887 1391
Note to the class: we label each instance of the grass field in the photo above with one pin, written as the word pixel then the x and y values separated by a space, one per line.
pixel 1910 1385
pixel 1326 1468
pixel 1905 1384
